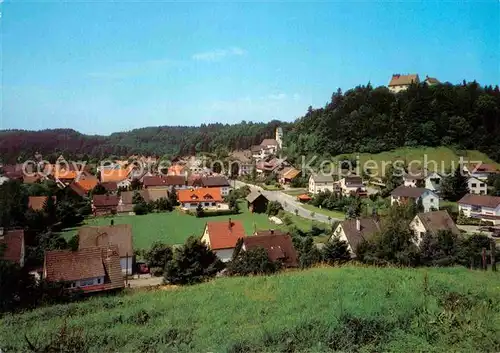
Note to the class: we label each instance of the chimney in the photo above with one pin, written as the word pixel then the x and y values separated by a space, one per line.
pixel 358 225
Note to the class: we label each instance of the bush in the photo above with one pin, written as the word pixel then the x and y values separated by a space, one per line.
pixel 141 209
pixel 212 213
pixel 273 208
pixel 335 251
pixel 255 261
pixel 158 255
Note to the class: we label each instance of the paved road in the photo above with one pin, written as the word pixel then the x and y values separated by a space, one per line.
pixel 290 204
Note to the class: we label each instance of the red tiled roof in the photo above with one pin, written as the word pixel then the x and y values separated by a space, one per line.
pixel 199 195
pixel 115 175
pixel 105 200
pixel 110 185
pixel 13 245
pixel 118 234
pixel 279 246
pixel 37 202
pixel 480 200
pixel 399 80
pixel 66 265
pixel 224 235
pixel 304 197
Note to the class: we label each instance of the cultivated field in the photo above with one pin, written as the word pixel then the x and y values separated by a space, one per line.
pixel 319 310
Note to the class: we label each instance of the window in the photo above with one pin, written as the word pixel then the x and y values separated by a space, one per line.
pixel 432 200
pixel 481 185
pixel 473 185
pixel 87 282
pixel 98 281
pixel 207 203
pixel 422 234
pixel 436 181
pixel 476 208
pixel 213 203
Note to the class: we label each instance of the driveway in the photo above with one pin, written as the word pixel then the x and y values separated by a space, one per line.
pixel 289 203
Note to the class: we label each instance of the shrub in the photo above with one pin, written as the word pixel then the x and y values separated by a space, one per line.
pixel 158 255
pixel 273 207
pixel 141 209
pixel 335 251
pixel 254 261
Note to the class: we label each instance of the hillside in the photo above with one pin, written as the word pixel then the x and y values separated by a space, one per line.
pixel 361 120
pixel 444 156
pixel 319 310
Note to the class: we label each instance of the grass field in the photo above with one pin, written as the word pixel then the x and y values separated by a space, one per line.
pixel 295 192
pixel 349 309
pixel 333 214
pixel 442 155
pixel 175 227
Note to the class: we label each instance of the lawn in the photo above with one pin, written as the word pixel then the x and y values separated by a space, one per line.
pixel 453 205
pixel 348 309
pixel 295 192
pixel 442 155
pixel 333 214
pixel 175 227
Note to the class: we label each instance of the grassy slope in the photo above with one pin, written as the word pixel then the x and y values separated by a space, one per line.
pixel 387 308
pixel 175 227
pixel 439 154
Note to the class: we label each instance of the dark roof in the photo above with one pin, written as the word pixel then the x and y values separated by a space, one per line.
pixel 169 180
pixel 12 243
pixel 156 194
pixel 176 180
pixel 438 220
pixel 78 189
pixel 278 245
pixel 105 200
pixel 368 228
pixel 127 196
pixel 353 180
pixel 254 195
pixel 118 234
pixel 214 181
pixel 406 191
pixel 432 80
pixel 415 175
pixel 322 178
pixel 85 263
pixel 480 200
pixel 256 148
pixel 110 185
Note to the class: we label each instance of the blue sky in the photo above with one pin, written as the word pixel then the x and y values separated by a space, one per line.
pixel 101 67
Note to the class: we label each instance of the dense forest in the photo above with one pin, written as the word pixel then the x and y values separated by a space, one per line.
pixel 363 119
pixel 373 120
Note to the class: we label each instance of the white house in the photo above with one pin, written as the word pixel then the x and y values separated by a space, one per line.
pixel 355 231
pixel 400 83
pixel 414 179
pixel 477 186
pixel 432 222
pixel 404 194
pixel 221 237
pixel 208 198
pixel 352 185
pixel 318 183
pixel 484 207
pixel 279 137
pixel 433 182
pixel 481 171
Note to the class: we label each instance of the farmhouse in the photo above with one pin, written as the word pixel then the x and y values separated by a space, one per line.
pixel 221 237
pixel 210 198
pixel 287 175
pixel 355 231
pixel 126 200
pixel 257 203
pixel 93 269
pixel 118 175
pixel 432 222
pixel 104 204
pixel 477 186
pixel 481 171
pixel 404 194
pixel 83 185
pixel 484 207
pixel 433 182
pixel 400 83
pixel 165 182
pixel 12 242
pixel 278 245
pixel 219 182
pixel 110 186
pixel 318 183
pixel 119 235
pixel 414 179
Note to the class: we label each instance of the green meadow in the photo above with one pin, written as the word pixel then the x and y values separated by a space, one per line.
pixel 348 309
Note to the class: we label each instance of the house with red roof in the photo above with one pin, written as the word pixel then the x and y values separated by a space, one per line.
pixel 12 246
pixel 221 237
pixel 105 204
pixel 209 198
pixel 36 203
pixel 92 269
pixel 278 245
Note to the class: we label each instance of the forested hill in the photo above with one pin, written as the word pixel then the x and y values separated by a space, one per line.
pixel 364 119
pixel 150 140
pixel 367 119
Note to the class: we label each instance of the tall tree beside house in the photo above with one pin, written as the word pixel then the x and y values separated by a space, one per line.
pixel 494 183
pixel 309 254
pixel 455 186
pixel 158 255
pixel 50 210
pixel 172 196
pixel 273 208
pixel 192 263
pixel 393 178
pixel 137 198
pixel 199 211
pixel 335 251
pixel 253 262
pixel 13 204
pixel 135 184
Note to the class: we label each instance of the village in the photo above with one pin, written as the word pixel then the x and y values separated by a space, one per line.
pixel 248 203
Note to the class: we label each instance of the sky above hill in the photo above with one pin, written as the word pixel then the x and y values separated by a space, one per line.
pixel 100 67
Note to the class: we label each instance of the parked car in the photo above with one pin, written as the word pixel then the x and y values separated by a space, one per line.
pixel 142 268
